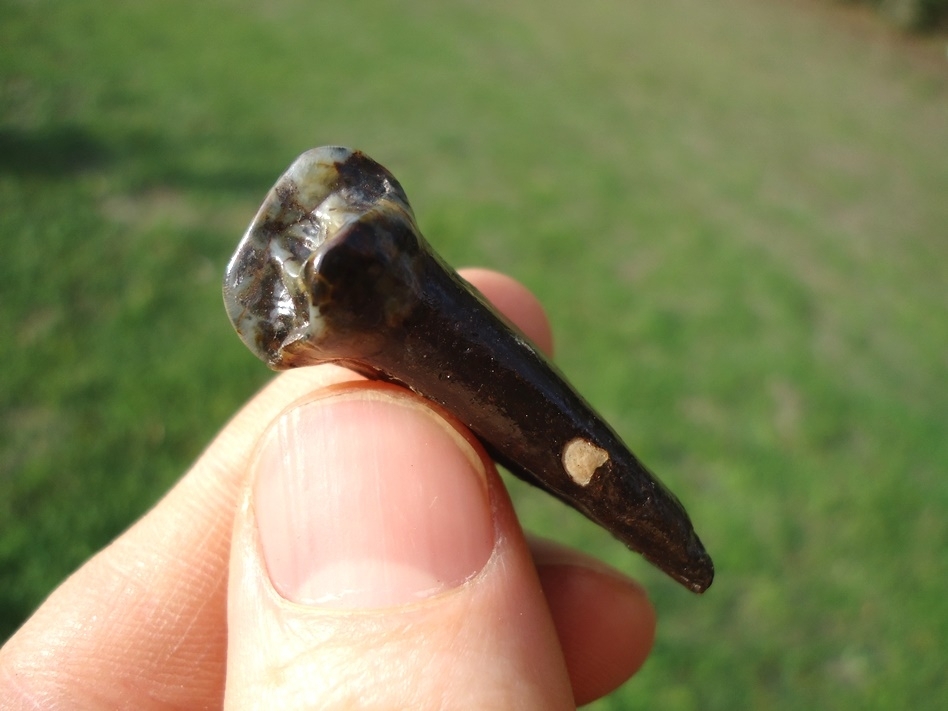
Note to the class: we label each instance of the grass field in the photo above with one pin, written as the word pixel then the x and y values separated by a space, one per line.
pixel 735 213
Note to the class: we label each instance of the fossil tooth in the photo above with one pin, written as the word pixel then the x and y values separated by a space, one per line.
pixel 334 269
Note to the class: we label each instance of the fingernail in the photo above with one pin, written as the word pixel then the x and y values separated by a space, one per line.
pixel 369 499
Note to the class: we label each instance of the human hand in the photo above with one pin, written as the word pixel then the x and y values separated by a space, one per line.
pixel 340 544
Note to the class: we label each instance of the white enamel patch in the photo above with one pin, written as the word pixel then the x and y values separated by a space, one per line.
pixel 581 459
pixel 333 213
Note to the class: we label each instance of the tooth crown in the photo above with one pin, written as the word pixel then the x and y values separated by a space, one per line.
pixel 334 269
pixel 273 289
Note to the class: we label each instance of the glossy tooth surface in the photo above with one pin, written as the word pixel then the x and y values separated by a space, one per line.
pixel 334 269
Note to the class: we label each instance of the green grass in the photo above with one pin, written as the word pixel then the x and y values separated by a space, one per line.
pixel 735 213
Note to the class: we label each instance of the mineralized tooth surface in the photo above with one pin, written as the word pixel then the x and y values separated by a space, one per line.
pixel 333 269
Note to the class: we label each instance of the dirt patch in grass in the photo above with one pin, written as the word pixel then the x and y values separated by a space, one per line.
pixel 926 51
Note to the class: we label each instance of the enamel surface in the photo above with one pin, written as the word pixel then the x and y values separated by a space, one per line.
pixel 267 290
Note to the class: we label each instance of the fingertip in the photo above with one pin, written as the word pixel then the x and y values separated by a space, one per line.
pixel 516 302
pixel 604 620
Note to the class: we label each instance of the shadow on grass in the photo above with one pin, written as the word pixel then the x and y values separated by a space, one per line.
pixel 51 151
pixel 141 159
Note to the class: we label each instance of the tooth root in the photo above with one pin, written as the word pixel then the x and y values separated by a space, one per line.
pixel 388 306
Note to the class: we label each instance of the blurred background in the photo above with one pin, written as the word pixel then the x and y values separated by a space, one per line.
pixel 735 212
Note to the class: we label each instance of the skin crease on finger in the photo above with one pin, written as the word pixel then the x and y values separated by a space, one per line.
pixel 143 625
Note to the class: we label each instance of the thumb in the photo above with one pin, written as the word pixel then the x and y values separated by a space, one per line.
pixel 377 563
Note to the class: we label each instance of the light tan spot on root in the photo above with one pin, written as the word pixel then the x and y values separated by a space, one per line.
pixel 581 459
